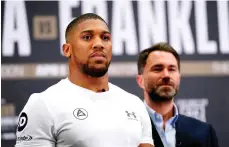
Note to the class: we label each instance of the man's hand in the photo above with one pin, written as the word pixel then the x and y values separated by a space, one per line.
pixel 145 145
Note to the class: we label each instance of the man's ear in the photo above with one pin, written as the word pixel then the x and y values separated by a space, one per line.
pixel 67 49
pixel 140 81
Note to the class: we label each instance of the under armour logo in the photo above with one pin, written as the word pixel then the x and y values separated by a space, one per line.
pixel 80 113
pixel 130 115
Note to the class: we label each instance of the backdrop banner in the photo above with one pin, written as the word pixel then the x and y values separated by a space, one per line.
pixel 32 35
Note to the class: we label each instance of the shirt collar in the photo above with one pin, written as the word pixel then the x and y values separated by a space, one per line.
pixel 154 115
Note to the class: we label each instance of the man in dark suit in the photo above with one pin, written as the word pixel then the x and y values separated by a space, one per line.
pixel 159 77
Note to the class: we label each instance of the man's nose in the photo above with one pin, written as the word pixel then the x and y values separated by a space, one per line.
pixel 165 73
pixel 97 44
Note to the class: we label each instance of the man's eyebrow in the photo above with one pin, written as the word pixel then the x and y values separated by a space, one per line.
pixel 106 32
pixel 91 32
pixel 86 31
pixel 161 65
pixel 172 65
pixel 157 65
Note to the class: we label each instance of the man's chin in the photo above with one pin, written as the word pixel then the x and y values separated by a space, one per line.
pixel 99 67
pixel 165 94
pixel 162 96
pixel 97 72
pixel 166 97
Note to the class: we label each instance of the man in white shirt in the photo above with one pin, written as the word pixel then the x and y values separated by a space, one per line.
pixel 85 110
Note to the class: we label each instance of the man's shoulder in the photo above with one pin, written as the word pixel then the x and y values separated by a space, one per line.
pixel 43 99
pixel 190 121
pixel 191 129
pixel 53 90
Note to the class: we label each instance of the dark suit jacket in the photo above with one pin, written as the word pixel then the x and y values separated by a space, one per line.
pixel 190 132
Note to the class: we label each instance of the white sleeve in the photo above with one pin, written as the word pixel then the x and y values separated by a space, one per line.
pixel 146 125
pixel 35 125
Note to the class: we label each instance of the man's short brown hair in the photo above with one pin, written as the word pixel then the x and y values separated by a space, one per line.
pixel 162 46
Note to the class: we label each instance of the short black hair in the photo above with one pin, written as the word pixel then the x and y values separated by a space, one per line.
pixel 80 19
pixel 161 46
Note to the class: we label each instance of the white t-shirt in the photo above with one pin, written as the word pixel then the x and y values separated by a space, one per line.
pixel 66 115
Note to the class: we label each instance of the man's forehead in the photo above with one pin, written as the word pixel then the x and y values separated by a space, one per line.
pixel 161 56
pixel 92 25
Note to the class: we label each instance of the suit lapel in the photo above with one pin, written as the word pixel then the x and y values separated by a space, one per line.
pixel 179 137
pixel 182 136
pixel 156 137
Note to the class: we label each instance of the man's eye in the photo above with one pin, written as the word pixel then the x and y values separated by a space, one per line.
pixel 106 38
pixel 87 37
pixel 173 69
pixel 157 69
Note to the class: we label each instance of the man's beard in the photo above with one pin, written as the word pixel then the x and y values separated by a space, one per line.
pixel 156 95
pixel 94 72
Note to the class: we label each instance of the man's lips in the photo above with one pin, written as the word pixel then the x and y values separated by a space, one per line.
pixel 98 54
pixel 167 84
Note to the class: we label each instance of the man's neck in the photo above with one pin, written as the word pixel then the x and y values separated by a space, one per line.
pixel 94 84
pixel 166 108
